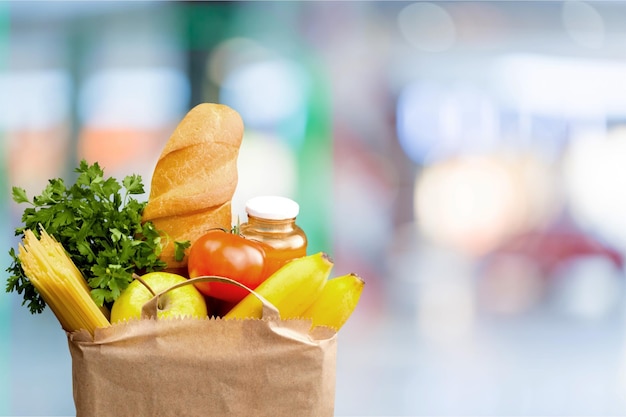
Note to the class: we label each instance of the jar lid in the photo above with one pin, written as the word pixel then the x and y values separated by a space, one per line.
pixel 272 207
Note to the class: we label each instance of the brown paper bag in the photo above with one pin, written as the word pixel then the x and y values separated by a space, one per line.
pixel 204 367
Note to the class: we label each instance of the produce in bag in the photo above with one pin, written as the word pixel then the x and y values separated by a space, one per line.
pixel 272 352
pixel 212 367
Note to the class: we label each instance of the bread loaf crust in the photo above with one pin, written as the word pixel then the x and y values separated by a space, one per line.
pixel 195 177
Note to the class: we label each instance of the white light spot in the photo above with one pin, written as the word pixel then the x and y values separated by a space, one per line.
pixel 427 26
pixel 583 23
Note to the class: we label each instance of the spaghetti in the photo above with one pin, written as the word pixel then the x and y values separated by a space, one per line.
pixel 62 286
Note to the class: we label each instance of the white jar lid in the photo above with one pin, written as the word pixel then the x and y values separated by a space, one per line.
pixel 271 207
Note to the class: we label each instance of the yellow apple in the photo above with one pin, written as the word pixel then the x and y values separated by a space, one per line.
pixel 186 301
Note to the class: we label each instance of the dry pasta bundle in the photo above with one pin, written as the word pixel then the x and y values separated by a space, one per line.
pixel 60 283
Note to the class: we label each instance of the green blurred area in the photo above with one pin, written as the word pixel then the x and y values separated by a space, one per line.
pixel 315 162
pixel 206 26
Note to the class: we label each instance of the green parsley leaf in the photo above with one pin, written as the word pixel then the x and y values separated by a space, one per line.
pixel 19 195
pixel 133 184
pixel 98 222
pixel 179 249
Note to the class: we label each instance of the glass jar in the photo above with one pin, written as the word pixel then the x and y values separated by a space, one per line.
pixel 272 221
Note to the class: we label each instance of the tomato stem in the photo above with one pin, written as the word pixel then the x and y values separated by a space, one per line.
pixel 236 230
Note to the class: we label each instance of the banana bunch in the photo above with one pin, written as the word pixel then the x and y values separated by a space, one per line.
pixel 302 289
pixel 336 302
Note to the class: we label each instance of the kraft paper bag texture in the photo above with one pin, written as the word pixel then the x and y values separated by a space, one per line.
pixel 204 367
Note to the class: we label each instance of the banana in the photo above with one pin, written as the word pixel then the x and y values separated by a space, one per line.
pixel 337 301
pixel 292 289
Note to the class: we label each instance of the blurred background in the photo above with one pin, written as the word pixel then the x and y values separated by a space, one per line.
pixel 467 159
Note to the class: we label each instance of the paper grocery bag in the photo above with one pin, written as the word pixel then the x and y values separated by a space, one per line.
pixel 204 367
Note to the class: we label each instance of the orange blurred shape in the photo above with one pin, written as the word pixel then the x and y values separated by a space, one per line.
pixel 117 148
pixel 473 203
pixel 36 155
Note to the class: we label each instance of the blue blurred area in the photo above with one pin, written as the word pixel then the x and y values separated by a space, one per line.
pixel 5 309
pixel 467 159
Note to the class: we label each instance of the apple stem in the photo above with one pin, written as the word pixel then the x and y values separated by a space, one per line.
pixel 145 284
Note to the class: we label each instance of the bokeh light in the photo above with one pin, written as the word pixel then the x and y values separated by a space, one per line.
pixel 266 166
pixel 435 122
pixel 427 26
pixel 595 174
pixel 266 93
pixel 583 23
pixel 474 203
pixel 127 115
pixel 35 113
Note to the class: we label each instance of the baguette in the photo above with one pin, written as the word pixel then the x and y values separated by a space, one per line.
pixel 195 177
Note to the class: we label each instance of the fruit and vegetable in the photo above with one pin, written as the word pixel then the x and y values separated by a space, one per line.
pixel 180 302
pixel 226 254
pixel 92 251
pixel 97 220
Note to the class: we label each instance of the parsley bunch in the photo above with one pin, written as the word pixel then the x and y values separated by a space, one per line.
pixel 99 225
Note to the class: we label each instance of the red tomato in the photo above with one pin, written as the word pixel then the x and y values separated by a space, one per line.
pixel 227 255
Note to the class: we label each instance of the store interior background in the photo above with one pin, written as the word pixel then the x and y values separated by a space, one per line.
pixel 467 159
